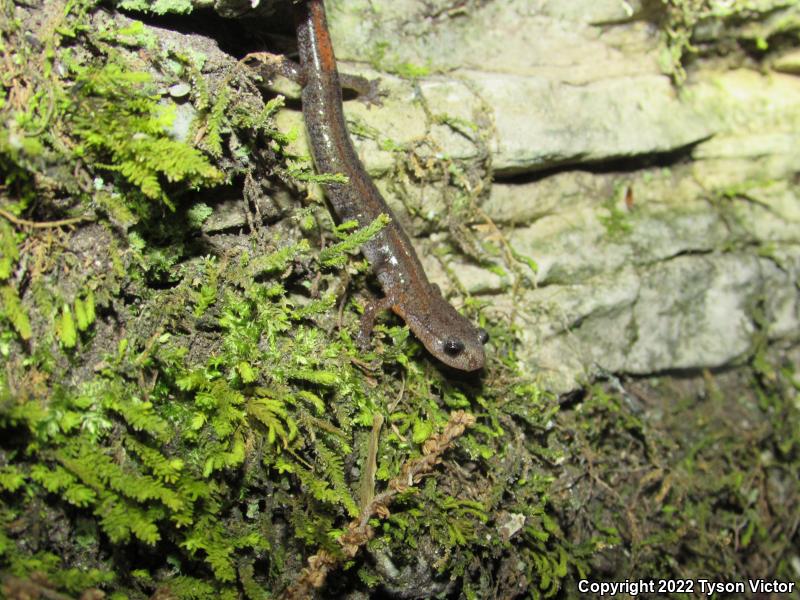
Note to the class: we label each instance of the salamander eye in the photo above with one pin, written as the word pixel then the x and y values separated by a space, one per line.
pixel 453 347
pixel 483 336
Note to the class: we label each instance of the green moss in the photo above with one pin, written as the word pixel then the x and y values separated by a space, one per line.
pixel 617 222
pixel 9 251
pixel 236 457
pixel 117 118
pixel 381 60
pixel 158 7
pixel 12 310
pixel 693 467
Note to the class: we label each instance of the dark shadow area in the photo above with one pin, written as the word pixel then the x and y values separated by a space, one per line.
pixel 623 164
pixel 236 36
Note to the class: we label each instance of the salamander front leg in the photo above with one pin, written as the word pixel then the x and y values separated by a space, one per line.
pixel 270 65
pixel 368 91
pixel 371 312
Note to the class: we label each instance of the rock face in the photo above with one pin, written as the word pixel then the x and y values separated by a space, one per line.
pixel 664 221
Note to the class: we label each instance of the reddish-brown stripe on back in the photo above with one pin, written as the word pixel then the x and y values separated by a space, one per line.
pixel 321 35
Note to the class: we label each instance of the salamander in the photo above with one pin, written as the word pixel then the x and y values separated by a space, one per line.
pixel 446 334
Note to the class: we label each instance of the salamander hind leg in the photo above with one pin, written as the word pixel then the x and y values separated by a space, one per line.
pixel 371 312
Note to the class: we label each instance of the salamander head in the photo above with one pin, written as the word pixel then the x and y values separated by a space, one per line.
pixel 448 335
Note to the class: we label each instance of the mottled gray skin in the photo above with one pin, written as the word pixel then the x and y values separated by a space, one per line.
pixel 445 333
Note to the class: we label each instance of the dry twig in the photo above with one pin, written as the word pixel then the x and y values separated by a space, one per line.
pixel 359 531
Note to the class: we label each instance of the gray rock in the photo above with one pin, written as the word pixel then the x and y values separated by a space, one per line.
pixel 585 103
pixel 788 62
pixel 600 121
pixel 691 312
